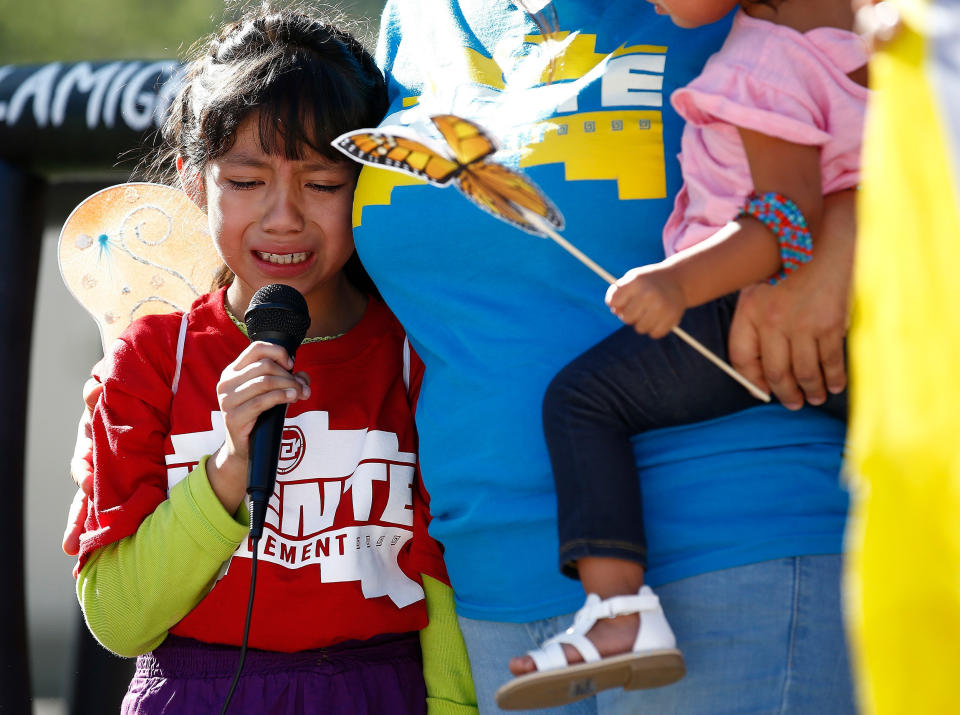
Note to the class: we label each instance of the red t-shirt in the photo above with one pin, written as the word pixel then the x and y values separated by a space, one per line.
pixel 345 538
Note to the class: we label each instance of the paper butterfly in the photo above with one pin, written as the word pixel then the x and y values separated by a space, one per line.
pixel 503 192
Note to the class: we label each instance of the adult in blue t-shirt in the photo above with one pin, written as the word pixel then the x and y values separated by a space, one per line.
pixel 744 514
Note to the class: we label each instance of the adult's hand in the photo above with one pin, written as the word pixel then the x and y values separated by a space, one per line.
pixel 81 469
pixel 788 338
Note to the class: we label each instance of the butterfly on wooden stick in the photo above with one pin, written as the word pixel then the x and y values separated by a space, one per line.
pixel 503 192
pixel 465 163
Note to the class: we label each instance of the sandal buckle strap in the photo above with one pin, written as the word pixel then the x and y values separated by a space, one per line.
pixel 654 632
pixel 622 606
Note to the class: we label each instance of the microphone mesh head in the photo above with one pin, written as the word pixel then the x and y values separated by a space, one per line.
pixel 278 308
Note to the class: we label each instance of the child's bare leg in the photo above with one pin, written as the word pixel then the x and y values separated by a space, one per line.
pixel 605 577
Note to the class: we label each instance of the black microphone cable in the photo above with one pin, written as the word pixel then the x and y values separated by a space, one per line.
pixel 246 624
pixel 277 314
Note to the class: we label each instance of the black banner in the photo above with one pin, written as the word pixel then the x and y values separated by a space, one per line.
pixel 82 115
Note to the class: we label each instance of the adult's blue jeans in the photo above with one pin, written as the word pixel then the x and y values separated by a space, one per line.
pixel 760 639
pixel 624 385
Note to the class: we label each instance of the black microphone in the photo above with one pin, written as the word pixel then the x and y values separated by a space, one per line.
pixel 277 314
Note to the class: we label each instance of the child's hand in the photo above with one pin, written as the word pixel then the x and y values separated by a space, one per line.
pixel 257 380
pixel 649 298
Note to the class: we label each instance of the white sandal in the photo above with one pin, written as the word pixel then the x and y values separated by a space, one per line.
pixel 653 661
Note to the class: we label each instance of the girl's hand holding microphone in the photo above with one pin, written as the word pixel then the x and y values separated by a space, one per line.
pixel 257 380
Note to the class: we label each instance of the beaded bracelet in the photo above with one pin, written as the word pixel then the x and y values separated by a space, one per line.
pixel 784 219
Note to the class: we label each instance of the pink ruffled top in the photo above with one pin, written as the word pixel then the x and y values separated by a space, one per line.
pixel 777 81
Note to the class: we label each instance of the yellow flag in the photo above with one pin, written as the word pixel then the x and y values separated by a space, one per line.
pixel 903 578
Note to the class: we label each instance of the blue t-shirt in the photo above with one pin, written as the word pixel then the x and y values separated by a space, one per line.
pixel 495 312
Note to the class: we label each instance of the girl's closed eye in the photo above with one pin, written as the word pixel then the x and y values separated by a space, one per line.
pixel 325 188
pixel 244 184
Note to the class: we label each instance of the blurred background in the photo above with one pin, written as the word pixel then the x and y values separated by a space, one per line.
pixel 59 30
pixel 65 341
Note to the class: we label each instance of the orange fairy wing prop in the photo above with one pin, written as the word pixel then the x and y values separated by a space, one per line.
pixel 135 249
pixel 502 192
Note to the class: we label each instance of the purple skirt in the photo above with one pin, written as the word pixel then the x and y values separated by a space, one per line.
pixel 383 675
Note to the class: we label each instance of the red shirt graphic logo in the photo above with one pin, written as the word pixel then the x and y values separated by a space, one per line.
pixel 291 449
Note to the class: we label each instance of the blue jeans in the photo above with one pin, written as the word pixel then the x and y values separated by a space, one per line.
pixel 759 639
pixel 624 385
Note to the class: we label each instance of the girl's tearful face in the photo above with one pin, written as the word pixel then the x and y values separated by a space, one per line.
pixel 277 220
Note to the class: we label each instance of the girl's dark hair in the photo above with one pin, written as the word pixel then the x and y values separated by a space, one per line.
pixel 307 80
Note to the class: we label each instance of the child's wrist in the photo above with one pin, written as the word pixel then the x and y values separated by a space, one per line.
pixel 671 270
pixel 787 223
pixel 226 473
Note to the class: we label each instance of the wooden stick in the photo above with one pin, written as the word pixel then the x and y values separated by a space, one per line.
pixel 726 367
pixel 538 221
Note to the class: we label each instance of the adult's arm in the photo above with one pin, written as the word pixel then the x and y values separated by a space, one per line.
pixel 81 469
pixel 789 337
pixel 134 590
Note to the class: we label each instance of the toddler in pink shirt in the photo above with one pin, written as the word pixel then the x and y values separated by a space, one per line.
pixel 773 124
pixel 774 80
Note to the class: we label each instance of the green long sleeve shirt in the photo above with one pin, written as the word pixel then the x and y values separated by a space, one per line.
pixel 134 590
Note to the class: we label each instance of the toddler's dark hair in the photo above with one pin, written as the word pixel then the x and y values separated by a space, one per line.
pixel 307 80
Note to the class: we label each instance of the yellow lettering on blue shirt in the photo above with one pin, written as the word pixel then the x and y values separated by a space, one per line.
pixel 623 145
